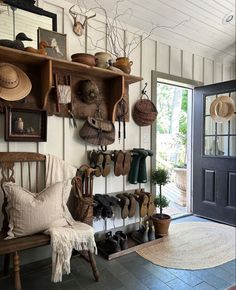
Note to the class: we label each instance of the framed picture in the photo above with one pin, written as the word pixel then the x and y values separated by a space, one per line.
pixel 25 125
pixel 55 40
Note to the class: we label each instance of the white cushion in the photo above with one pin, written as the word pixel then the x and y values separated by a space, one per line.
pixel 30 213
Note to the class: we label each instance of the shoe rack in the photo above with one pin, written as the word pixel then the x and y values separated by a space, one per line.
pixel 133 246
pixel 113 86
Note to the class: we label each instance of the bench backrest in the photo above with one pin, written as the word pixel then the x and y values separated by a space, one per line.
pixel 24 168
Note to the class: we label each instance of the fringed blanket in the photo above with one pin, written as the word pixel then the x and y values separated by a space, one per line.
pixel 78 236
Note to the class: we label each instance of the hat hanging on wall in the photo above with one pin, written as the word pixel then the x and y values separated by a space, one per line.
pixel 14 83
pixel 88 91
pixel 222 109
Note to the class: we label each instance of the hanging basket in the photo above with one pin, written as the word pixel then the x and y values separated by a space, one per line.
pixel 144 112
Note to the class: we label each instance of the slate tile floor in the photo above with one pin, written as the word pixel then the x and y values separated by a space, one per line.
pixel 127 272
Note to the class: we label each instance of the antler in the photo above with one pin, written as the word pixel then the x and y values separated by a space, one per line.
pixel 87 18
pixel 73 13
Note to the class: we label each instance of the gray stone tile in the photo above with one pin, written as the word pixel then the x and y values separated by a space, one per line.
pixel 230 266
pixel 115 267
pixel 189 278
pixel 178 284
pixel 131 282
pixel 211 279
pixel 154 283
pixel 223 274
pixel 161 273
pixel 204 286
pixel 69 285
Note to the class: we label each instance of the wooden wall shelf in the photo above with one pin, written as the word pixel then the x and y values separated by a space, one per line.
pixel 113 86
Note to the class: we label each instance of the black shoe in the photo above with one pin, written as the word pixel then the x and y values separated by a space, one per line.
pixel 111 244
pixel 123 240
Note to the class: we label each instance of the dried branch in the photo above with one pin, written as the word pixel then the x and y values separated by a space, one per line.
pixel 116 44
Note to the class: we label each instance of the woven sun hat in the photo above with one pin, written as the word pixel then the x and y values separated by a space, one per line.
pixel 222 109
pixel 14 83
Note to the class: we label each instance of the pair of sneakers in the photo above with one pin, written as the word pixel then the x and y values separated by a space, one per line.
pixel 115 243
pixel 144 234
pixel 122 162
pixel 145 201
pixel 127 204
pixel 101 162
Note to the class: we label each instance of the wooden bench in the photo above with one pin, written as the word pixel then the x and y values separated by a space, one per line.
pixel 28 168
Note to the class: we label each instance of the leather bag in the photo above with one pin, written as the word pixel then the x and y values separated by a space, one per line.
pixel 97 131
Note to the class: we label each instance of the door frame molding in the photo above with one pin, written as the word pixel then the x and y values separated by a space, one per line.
pixel 157 76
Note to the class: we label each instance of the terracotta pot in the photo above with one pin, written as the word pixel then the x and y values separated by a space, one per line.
pixel 103 59
pixel 161 225
pixel 84 58
pixel 124 64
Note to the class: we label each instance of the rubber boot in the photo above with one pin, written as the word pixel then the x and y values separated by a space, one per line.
pixel 138 154
pixel 142 173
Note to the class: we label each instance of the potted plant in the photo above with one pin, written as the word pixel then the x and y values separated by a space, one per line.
pixel 161 221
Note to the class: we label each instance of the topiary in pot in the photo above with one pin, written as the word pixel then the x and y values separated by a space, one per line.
pixel 161 221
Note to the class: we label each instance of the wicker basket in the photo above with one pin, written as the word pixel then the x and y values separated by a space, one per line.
pixel 144 112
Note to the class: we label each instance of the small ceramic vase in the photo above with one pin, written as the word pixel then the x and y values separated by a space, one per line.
pixel 103 59
pixel 124 64
pixel 19 125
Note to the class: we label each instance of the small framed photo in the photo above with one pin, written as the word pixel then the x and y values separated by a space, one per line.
pixel 55 40
pixel 25 125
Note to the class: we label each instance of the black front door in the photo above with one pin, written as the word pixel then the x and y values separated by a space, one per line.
pixel 214 152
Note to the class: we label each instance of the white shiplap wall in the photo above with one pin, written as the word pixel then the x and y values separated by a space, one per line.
pixel 65 143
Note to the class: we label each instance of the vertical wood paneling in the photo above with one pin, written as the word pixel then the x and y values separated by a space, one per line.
pixel 3 144
pixel 187 64
pixel 226 72
pixel 217 72
pixel 175 61
pixel 163 57
pixel 198 68
pixel 208 71
pixel 55 137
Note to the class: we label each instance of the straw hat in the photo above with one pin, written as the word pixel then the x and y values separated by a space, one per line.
pixel 14 83
pixel 222 109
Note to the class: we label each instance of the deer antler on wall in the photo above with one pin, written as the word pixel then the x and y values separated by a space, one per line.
pixel 78 27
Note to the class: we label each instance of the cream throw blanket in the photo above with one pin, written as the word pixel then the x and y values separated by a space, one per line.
pixel 76 235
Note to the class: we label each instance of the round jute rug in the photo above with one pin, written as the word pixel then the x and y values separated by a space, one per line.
pixel 193 245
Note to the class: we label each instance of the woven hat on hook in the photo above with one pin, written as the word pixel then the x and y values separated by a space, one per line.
pixel 222 109
pixel 14 83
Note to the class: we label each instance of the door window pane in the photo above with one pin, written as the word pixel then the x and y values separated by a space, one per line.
pixel 222 128
pixel 209 126
pixel 232 146
pixel 222 146
pixel 233 125
pixel 209 146
pixel 209 100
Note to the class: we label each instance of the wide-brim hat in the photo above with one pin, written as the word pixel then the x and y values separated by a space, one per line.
pixel 222 109
pixel 14 83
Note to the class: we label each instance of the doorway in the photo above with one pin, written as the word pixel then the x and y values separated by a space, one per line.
pixel 172 139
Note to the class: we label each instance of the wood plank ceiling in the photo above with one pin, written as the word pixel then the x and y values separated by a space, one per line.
pixel 188 24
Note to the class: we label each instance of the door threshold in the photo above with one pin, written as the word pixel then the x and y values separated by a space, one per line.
pixel 181 215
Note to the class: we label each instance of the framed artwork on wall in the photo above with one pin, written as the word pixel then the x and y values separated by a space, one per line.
pixel 55 40
pixel 25 125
